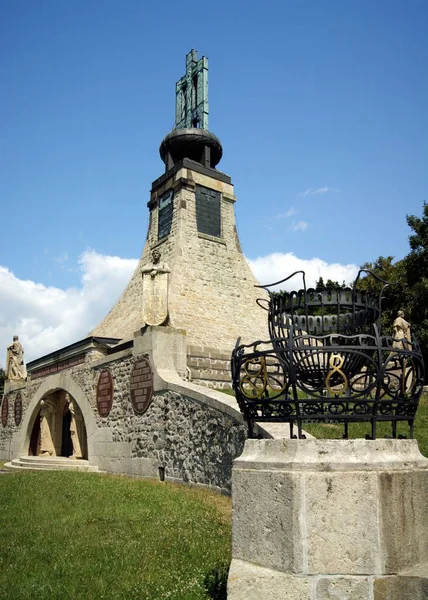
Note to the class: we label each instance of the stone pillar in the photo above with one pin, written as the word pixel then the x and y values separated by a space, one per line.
pixel 320 519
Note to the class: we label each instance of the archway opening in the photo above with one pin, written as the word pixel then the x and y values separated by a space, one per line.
pixel 66 442
pixel 59 428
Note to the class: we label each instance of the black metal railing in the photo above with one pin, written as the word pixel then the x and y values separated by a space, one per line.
pixel 327 361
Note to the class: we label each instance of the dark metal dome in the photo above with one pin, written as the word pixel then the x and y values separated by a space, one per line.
pixel 196 144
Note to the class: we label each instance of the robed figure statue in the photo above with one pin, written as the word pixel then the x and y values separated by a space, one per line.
pixel 15 368
pixel 155 290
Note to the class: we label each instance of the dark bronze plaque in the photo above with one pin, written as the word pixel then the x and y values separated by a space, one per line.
pixel 208 211
pixel 141 386
pixel 18 410
pixel 59 366
pixel 104 393
pixel 4 410
pixel 165 215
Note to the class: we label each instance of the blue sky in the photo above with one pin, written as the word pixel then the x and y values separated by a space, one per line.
pixel 320 107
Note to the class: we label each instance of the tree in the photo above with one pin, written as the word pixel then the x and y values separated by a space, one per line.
pixel 417 279
pixel 330 285
pixel 411 275
pixel 394 296
pixel 319 284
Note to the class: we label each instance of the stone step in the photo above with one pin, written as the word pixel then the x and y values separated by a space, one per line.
pixel 49 459
pixel 51 463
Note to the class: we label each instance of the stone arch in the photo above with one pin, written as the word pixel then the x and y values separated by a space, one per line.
pixel 52 383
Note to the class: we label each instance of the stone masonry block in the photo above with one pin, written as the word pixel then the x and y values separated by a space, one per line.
pixel 404 526
pixel 341 588
pixel 401 588
pixel 341 523
pixel 251 582
pixel 266 530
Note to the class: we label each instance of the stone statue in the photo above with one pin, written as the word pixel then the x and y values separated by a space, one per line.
pixel 155 290
pixel 74 429
pixel 401 332
pixel 15 368
pixel 47 447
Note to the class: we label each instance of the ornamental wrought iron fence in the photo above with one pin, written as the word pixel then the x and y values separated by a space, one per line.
pixel 327 361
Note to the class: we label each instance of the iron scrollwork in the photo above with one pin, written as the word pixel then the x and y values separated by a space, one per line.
pixel 327 361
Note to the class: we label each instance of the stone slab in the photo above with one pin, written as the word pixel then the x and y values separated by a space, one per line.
pixel 251 582
pixel 404 523
pixel 400 588
pixel 343 588
pixel 342 527
pixel 266 528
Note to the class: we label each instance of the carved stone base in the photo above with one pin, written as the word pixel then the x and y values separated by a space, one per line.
pixel 317 519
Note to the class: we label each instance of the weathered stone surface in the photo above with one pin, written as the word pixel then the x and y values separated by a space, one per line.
pixel 194 435
pixel 355 508
pixel 404 522
pixel 401 588
pixel 251 582
pixel 266 528
pixel 343 588
pixel 341 523
pixel 211 291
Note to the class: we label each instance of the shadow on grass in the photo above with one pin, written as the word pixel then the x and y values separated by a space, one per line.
pixel 215 582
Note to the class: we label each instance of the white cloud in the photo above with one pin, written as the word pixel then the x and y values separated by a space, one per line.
pixel 298 226
pixel 317 191
pixel 291 211
pixel 278 265
pixel 48 318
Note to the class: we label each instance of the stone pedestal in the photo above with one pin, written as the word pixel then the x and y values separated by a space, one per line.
pixel 317 519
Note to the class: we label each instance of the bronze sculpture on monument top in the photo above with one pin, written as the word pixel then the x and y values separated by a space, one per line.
pixel 190 137
pixel 192 223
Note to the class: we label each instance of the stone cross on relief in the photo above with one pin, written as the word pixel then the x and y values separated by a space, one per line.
pixel 191 104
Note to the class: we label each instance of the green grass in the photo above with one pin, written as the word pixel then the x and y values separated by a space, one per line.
pixel 83 536
pixel 359 430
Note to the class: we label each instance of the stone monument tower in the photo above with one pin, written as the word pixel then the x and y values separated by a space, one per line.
pixel 192 234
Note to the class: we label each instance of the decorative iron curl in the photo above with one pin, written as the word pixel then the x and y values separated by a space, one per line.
pixel 326 361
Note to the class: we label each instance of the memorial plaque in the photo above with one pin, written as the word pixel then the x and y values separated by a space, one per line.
pixel 18 410
pixel 165 215
pixel 4 410
pixel 208 217
pixel 104 393
pixel 141 386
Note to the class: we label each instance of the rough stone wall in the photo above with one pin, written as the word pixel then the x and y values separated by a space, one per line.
pixel 193 441
pixel 215 280
pixel 6 433
pixel 211 289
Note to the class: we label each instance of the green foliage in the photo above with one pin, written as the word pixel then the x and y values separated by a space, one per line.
pixel 417 279
pixel 216 583
pixel 75 535
pixel 394 296
pixel 330 285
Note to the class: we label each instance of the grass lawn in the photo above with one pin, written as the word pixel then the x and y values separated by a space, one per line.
pixel 83 536
pixel 359 430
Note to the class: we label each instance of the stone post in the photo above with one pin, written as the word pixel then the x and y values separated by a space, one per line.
pixel 320 519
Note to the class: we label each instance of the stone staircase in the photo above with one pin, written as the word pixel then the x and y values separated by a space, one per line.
pixel 51 463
